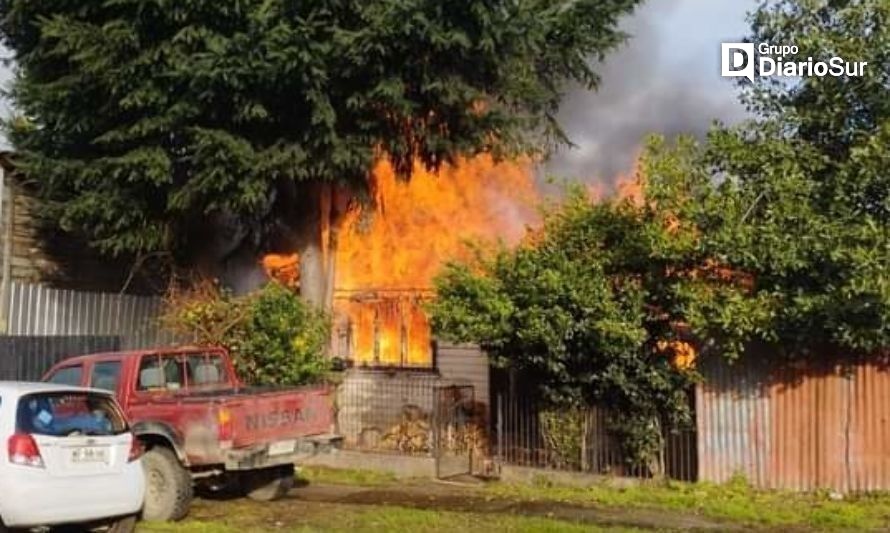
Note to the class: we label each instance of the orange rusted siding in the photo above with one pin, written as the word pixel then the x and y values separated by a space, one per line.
pixel 800 428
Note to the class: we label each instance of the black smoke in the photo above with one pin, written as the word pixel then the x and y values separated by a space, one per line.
pixel 658 82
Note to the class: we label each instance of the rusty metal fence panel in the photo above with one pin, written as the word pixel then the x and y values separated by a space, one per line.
pixel 799 427
pixel 38 310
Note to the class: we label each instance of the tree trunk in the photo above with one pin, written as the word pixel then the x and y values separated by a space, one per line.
pixel 313 279
pixel 322 216
pixel 310 246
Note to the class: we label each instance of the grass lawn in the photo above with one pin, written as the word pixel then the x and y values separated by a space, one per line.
pixel 249 517
pixel 734 502
pixel 357 501
pixel 336 476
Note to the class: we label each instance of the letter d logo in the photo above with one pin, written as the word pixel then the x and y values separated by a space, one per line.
pixel 737 60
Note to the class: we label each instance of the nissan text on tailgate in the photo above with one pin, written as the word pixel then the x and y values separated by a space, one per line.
pixel 200 425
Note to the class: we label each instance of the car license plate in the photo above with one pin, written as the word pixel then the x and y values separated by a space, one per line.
pixel 282 447
pixel 89 455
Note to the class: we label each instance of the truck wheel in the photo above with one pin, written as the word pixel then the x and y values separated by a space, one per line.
pixel 168 486
pixel 268 484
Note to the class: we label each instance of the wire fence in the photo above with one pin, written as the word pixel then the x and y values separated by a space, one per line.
pixel 579 440
pixel 410 413
pixel 387 412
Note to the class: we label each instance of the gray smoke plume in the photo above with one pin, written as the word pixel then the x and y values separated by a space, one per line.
pixel 665 79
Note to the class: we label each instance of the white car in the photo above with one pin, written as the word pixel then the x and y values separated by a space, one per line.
pixel 66 457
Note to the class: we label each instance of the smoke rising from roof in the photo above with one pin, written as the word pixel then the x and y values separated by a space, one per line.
pixel 665 79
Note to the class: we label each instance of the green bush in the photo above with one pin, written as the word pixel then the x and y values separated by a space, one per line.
pixel 275 338
pixel 580 310
pixel 563 432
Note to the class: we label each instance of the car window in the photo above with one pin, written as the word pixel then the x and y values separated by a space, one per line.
pixel 105 375
pixel 161 372
pixel 173 374
pixel 69 375
pixel 206 370
pixel 60 414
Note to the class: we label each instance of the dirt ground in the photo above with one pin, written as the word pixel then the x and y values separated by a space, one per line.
pixel 420 506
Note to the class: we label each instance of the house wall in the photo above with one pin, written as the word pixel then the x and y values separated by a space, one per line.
pixel 34 250
pixel 26 262
pixel 465 364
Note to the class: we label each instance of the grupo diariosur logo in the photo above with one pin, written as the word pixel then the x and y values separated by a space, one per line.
pixel 738 61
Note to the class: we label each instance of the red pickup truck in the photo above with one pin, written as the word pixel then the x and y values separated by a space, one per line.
pixel 201 426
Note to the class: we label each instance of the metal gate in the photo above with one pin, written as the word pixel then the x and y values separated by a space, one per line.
pixel 454 430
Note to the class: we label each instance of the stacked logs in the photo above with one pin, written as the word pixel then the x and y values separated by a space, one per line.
pixel 470 432
pixel 411 434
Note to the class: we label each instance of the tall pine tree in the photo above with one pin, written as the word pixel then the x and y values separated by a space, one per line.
pixel 167 125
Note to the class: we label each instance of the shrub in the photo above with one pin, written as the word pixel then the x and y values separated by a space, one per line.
pixel 274 337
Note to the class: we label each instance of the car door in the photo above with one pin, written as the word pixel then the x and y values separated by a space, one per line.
pixel 158 383
pixel 163 395
pixel 105 374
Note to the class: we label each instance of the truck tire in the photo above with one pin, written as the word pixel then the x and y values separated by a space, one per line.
pixel 268 484
pixel 168 486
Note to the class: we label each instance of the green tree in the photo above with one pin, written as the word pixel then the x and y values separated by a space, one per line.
pixel 805 189
pixel 581 307
pixel 155 125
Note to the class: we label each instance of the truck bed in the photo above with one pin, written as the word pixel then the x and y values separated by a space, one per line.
pixel 271 414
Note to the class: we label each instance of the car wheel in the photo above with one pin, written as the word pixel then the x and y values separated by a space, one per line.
pixel 268 484
pixel 168 486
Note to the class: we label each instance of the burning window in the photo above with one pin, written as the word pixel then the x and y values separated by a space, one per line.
pixel 383 329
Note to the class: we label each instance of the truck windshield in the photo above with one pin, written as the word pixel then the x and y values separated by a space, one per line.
pixel 60 414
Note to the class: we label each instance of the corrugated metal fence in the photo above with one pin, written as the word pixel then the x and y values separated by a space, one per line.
pixel 800 427
pixel 39 310
pixel 27 358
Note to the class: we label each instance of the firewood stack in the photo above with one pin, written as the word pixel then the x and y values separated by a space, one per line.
pixel 411 434
pixel 472 434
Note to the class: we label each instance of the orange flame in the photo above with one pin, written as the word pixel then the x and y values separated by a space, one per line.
pixel 627 186
pixel 683 354
pixel 282 267
pixel 418 224
pixel 387 257
pixel 395 251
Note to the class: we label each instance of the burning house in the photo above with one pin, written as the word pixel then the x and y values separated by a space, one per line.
pixel 386 259
pixel 385 262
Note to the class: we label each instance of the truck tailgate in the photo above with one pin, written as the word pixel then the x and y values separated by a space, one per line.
pixel 263 416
